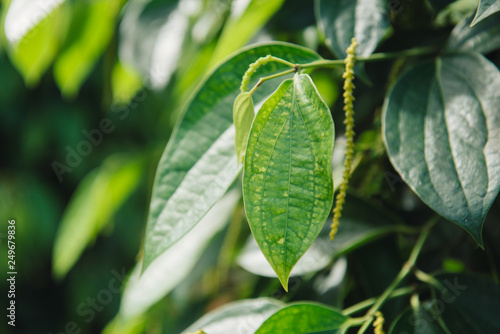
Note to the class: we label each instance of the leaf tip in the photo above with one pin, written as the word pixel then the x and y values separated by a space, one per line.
pixel 476 234
pixel 284 281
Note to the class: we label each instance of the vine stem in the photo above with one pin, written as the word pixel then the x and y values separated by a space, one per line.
pixel 405 270
pixel 374 57
pixel 277 75
pixel 328 63
pixel 369 302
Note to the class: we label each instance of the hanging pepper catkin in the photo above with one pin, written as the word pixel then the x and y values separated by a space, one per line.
pixel 378 323
pixel 349 133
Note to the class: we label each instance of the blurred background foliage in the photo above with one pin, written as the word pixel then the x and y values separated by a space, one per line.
pixel 90 91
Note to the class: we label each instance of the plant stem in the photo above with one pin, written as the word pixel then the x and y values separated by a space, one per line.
pixel 369 302
pixel 326 63
pixel 405 270
pixel 374 57
pixel 264 79
pixel 426 278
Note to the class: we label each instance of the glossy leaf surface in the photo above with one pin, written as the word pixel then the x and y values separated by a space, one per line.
pixel 482 37
pixel 442 131
pixel 287 178
pixel 303 318
pixel 199 163
pixel 341 20
pixel 485 9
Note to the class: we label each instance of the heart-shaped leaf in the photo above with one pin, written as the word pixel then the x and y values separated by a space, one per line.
pixel 442 130
pixel 287 178
pixel 303 318
pixel 199 163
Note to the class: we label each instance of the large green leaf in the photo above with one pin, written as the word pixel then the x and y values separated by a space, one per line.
pixel 485 9
pixel 93 25
pixel 483 37
pixel 341 20
pixel 359 224
pixel 442 131
pixel 238 317
pixel 199 163
pixel 246 19
pixel 287 178
pixel 100 194
pixel 303 318
pixel 172 267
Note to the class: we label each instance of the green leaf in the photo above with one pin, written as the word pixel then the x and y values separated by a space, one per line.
pixel 93 25
pixel 199 163
pixel 34 37
pixel 359 224
pixel 287 178
pixel 441 128
pixel 246 19
pixel 341 20
pixel 303 318
pixel 100 194
pixel 174 265
pixel 243 114
pixel 244 315
pixel 483 37
pixel 485 9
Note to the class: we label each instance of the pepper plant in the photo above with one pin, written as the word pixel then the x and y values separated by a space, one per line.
pixel 342 178
pixel 260 114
